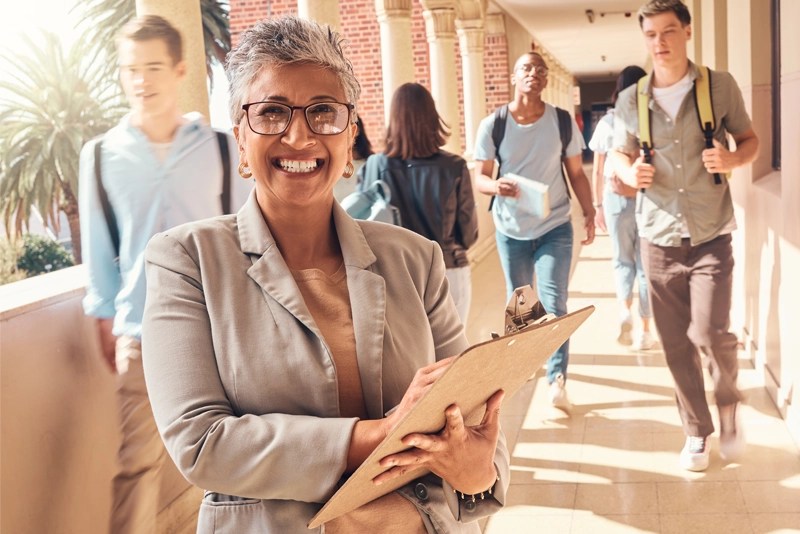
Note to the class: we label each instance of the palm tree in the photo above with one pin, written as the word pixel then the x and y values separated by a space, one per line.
pixel 52 101
pixel 106 17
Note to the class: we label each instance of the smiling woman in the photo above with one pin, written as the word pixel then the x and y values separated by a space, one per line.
pixel 287 314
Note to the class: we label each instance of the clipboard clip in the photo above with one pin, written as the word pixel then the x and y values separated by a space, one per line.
pixel 523 310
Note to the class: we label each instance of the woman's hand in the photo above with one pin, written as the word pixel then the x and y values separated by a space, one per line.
pixel 368 433
pixel 461 455
pixel 422 382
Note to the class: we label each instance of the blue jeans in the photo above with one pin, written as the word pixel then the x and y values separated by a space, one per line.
pixel 549 256
pixel 626 256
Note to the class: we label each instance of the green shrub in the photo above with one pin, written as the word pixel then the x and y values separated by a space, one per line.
pixel 42 255
pixel 9 251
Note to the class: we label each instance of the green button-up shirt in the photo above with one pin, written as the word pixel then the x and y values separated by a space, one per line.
pixel 682 190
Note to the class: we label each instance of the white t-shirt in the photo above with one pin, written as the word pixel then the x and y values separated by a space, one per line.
pixel 670 98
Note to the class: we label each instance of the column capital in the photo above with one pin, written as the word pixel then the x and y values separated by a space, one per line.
pixel 495 24
pixel 386 9
pixel 440 23
pixel 470 39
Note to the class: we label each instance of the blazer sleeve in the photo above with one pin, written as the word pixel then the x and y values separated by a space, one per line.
pixel 267 456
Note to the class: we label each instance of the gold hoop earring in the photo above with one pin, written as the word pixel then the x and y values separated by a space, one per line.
pixel 349 170
pixel 244 173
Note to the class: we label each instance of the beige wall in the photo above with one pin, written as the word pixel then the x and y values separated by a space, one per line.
pixel 58 425
pixel 767 244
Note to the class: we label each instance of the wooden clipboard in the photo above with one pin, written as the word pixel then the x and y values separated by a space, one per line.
pixel 506 363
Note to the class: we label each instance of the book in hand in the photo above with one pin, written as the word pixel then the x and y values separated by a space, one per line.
pixel 505 362
pixel 534 196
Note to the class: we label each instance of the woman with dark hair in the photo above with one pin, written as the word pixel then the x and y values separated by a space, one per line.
pixel 615 203
pixel 431 188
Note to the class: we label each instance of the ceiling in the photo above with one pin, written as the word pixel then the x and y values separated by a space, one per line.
pixel 563 28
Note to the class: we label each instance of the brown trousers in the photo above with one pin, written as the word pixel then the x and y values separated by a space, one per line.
pixel 141 453
pixel 690 291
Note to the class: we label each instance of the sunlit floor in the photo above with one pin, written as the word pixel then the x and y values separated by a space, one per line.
pixel 613 465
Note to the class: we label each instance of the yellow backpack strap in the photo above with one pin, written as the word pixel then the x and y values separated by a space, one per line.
pixel 643 105
pixel 705 111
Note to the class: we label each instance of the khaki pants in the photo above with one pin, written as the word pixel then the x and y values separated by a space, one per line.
pixel 690 291
pixel 141 454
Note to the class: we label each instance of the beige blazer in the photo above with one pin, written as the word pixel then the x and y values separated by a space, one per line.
pixel 243 387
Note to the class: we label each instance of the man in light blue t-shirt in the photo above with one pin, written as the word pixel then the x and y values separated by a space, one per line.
pixel 526 243
pixel 158 169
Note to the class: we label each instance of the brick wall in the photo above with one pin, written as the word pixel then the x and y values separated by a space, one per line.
pixel 360 27
pixel 496 71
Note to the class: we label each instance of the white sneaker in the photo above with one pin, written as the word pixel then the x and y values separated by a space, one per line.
pixel 644 341
pixel 558 394
pixel 695 453
pixel 625 329
pixel 731 433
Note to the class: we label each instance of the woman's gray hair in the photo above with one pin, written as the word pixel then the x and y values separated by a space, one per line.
pixel 281 41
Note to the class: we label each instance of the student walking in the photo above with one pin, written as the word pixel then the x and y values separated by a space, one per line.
pixel 156 169
pixel 615 214
pixel 534 147
pixel 685 218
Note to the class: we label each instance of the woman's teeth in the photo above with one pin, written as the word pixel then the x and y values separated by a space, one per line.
pixel 297 166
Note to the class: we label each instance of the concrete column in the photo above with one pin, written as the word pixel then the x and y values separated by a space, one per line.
pixel 440 27
pixel 470 39
pixel 321 11
pixel 714 38
pixel 185 16
pixel 695 49
pixel 397 61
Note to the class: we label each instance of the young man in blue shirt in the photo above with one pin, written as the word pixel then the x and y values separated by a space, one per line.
pixel 158 168
pixel 526 243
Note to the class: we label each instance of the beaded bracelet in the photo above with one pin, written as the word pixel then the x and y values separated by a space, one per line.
pixel 470 500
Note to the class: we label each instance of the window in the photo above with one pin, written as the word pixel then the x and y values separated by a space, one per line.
pixel 775 23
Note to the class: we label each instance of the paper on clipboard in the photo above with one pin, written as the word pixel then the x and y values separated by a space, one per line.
pixel 503 363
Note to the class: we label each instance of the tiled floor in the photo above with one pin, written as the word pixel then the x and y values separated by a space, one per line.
pixel 612 466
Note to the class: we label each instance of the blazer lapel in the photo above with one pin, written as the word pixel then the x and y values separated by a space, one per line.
pixel 367 290
pixel 368 304
pixel 269 270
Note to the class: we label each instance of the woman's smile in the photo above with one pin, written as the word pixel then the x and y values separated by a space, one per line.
pixel 298 166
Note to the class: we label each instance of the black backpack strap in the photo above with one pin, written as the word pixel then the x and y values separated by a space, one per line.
pixel 108 212
pixel 565 132
pixel 225 197
pixel 498 132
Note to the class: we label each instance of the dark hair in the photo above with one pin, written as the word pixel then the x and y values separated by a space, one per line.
pixel 416 130
pixel 150 27
pixel 629 76
pixel 656 7
pixel 361 145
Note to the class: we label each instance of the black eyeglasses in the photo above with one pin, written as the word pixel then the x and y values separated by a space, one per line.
pixel 273 118
pixel 539 70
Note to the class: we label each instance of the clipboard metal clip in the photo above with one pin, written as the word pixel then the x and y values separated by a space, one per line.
pixel 523 310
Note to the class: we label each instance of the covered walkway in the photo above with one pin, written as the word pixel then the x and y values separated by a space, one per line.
pixel 613 465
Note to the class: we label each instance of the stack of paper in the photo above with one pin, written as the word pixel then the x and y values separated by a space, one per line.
pixel 534 197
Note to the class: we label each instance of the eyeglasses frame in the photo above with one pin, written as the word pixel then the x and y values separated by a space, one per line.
pixel 535 69
pixel 245 107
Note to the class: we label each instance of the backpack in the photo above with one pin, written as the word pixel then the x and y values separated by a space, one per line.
pixel 702 101
pixel 564 131
pixel 108 211
pixel 372 204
